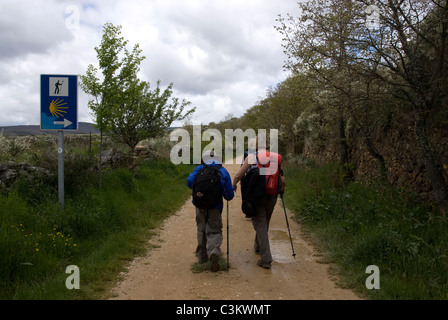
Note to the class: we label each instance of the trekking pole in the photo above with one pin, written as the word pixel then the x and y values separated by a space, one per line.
pixel 287 223
pixel 228 266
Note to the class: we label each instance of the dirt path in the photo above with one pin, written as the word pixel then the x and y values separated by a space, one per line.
pixel 165 273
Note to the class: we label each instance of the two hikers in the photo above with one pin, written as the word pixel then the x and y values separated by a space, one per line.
pixel 209 220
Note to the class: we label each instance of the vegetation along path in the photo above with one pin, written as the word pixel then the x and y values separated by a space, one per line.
pixel 165 273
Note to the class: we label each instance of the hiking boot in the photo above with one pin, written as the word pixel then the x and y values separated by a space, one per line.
pixel 214 258
pixel 266 265
pixel 202 260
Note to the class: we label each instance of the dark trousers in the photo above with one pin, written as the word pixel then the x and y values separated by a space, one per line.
pixel 261 226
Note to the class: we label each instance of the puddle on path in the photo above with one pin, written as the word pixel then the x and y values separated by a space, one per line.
pixel 281 247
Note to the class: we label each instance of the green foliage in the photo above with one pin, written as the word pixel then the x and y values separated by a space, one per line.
pixel 281 109
pixel 356 225
pixel 99 230
pixel 367 74
pixel 11 148
pixel 36 189
pixel 124 106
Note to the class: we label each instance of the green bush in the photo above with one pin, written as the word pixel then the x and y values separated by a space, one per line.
pixel 357 224
pixel 99 230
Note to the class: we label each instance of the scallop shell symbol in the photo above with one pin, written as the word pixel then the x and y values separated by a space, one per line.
pixel 57 109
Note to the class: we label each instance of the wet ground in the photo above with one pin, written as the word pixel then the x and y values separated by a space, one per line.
pixel 282 250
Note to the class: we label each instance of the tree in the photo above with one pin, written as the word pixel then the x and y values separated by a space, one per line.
pixel 411 48
pixel 145 114
pixel 316 45
pixel 405 57
pixel 124 106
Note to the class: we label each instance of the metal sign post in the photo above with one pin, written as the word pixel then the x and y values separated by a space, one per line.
pixel 61 168
pixel 59 111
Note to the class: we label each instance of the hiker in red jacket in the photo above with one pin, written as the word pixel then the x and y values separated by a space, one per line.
pixel 265 206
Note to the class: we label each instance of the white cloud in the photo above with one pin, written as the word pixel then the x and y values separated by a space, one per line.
pixel 221 55
pixel 30 27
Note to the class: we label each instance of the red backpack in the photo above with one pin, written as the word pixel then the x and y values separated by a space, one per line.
pixel 270 164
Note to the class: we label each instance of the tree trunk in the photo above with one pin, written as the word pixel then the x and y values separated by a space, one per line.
pixel 435 176
pixel 378 156
pixel 101 160
pixel 344 160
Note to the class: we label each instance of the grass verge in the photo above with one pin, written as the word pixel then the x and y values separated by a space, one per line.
pixel 99 231
pixel 358 224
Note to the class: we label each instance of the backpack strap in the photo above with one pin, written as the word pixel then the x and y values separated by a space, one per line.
pixel 252 166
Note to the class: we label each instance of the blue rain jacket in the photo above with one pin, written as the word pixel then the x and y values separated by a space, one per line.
pixel 226 181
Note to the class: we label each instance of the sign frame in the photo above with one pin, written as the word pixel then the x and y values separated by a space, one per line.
pixel 59 103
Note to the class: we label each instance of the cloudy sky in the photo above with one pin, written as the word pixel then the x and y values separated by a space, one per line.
pixel 222 55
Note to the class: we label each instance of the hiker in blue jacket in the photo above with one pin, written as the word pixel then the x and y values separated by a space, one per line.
pixel 209 221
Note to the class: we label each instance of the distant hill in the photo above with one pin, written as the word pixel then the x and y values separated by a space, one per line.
pixel 83 127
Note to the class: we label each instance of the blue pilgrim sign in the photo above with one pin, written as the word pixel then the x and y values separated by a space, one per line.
pixel 59 102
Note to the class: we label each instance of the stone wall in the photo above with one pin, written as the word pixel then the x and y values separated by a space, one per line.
pixel 10 171
pixel 397 143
